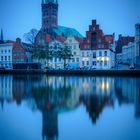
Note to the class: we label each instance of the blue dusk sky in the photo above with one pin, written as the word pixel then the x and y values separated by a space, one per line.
pixel 120 16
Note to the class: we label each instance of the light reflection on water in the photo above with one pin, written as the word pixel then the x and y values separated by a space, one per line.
pixel 69 108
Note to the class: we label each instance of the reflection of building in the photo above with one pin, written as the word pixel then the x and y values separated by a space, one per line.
pixel 137 99
pixel 6 88
pixel 21 88
pixel 94 85
pixel 95 105
pixel 127 91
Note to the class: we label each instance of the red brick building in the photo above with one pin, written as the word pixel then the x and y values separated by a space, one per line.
pixel 97 49
pixel 95 38
pixel 21 52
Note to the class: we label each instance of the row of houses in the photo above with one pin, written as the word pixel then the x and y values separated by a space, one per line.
pixel 14 52
pixel 128 48
pixel 95 51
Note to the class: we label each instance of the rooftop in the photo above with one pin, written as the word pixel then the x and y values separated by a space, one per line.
pixel 65 31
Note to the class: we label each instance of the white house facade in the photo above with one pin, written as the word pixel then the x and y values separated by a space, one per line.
pixel 6 55
pixel 55 62
pixel 128 53
pixel 74 46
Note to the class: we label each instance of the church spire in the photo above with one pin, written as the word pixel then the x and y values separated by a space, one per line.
pixel 1 36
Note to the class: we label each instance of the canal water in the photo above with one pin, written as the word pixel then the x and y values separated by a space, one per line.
pixel 69 108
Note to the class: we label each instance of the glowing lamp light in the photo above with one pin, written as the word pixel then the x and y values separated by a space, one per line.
pixel 102 58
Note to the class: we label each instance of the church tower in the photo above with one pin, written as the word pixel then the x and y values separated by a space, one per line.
pixel 49 15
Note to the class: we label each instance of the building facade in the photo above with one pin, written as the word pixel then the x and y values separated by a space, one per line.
pixel 128 54
pixel 6 55
pixel 55 62
pixel 97 49
pixel 21 52
pixel 137 44
pixel 49 15
pixel 74 46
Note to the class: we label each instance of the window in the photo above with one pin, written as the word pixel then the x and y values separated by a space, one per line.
pixel 87 62
pixel 77 59
pixel 83 63
pixel 100 63
pixel 105 53
pixel 87 54
pixel 55 60
pixel 9 58
pixel 74 53
pixel 5 58
pixel 100 53
pixel 70 41
pixel 9 51
pixel 105 63
pixel 94 54
pixel 94 63
pixel 5 51
pixel 83 54
pixel 1 58
pixel 1 51
pixel 88 41
pixel 94 38
pixel 74 47
pixel 73 60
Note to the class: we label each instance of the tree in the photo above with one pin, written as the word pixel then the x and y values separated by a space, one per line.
pixel 30 36
pixel 64 53
pixel 42 52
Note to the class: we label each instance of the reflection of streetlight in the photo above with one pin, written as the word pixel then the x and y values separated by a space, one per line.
pixel 103 85
pixel 107 85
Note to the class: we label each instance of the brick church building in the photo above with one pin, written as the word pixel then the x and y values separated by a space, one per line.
pixel 50 28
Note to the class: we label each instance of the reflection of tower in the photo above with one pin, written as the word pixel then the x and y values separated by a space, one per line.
pixel 50 125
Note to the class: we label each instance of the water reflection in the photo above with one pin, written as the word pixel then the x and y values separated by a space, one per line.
pixel 52 95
